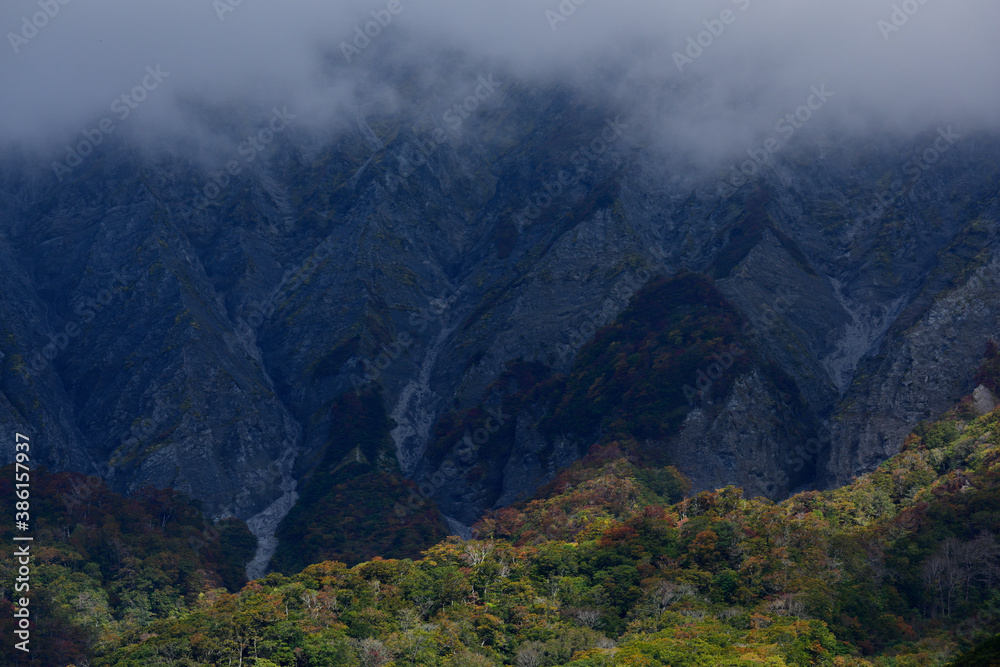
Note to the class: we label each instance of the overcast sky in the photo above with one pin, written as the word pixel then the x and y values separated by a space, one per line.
pixel 942 65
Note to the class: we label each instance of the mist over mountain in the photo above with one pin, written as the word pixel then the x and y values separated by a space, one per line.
pixel 276 256
pixel 704 79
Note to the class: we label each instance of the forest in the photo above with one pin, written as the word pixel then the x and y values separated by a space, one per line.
pixel 610 565
pixel 613 562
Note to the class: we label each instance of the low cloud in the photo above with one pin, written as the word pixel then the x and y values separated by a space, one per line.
pixel 708 80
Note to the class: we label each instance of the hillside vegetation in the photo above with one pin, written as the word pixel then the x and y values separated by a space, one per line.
pixel 901 567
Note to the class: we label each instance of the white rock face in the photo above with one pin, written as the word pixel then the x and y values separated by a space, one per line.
pixel 265 524
pixel 984 400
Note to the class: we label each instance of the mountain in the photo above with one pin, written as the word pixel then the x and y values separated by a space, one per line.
pixel 609 565
pixel 467 292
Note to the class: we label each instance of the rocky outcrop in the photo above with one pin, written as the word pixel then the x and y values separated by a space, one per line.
pixel 983 400
pixel 157 338
pixel 920 373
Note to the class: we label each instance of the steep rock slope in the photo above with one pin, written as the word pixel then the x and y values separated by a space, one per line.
pixel 202 343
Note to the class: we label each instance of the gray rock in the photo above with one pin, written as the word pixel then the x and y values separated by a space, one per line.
pixel 212 364
pixel 983 400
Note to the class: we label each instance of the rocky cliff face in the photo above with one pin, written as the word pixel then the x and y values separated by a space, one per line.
pixel 158 330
